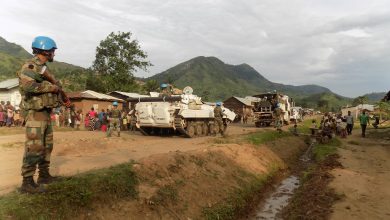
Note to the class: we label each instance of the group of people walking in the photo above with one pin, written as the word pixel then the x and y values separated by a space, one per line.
pixel 341 125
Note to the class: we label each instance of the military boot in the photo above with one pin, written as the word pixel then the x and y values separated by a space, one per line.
pixel 29 186
pixel 45 177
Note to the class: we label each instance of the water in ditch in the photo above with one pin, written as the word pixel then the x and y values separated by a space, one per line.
pixel 278 199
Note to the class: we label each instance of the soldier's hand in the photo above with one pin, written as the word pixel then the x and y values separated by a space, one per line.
pixel 55 89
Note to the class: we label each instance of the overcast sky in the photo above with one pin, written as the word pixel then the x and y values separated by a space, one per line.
pixel 340 44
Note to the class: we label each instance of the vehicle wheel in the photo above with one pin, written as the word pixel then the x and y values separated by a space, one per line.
pixel 212 129
pixel 146 130
pixel 258 124
pixel 190 130
pixel 268 124
pixel 205 129
pixel 199 130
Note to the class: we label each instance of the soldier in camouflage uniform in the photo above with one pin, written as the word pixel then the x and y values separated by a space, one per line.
pixel 218 121
pixel 278 120
pixel 39 97
pixel 115 119
pixel 165 89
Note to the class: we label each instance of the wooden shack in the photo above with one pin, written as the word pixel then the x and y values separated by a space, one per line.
pixel 88 99
pixel 241 106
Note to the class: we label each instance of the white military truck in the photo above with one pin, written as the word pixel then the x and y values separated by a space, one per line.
pixel 184 114
pixel 264 108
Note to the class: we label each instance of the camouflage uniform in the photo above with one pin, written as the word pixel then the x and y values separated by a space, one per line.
pixel 218 122
pixel 115 118
pixel 166 92
pixel 39 96
pixel 278 121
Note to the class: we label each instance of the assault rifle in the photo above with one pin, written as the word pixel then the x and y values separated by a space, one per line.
pixel 62 95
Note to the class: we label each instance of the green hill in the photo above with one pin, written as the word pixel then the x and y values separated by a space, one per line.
pixel 326 101
pixel 215 80
pixel 375 96
pixel 12 56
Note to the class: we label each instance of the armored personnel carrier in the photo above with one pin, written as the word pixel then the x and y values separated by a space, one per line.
pixel 183 114
pixel 263 109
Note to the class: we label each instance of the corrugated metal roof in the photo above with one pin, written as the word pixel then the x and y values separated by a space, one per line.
pixel 99 95
pixel 89 94
pixel 243 101
pixel 131 95
pixel 9 83
pixel 252 99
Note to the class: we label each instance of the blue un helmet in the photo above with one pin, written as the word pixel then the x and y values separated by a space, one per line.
pixel 218 103
pixel 164 85
pixel 44 43
pixel 115 103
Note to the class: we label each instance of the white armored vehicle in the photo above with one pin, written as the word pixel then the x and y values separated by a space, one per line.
pixel 185 114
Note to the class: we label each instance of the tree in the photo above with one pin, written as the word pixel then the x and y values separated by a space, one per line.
pixel 322 103
pixel 206 95
pixel 76 80
pixel 384 107
pixel 387 97
pixel 151 85
pixel 360 100
pixel 117 58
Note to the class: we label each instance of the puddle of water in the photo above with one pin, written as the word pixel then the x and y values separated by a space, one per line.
pixel 278 199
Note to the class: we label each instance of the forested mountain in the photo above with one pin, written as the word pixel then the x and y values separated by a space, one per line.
pixel 211 77
pixel 12 56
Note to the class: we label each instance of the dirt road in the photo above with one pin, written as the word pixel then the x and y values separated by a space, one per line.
pixel 364 180
pixel 79 151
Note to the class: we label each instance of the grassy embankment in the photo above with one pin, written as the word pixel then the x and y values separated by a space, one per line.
pixel 238 201
pixel 67 198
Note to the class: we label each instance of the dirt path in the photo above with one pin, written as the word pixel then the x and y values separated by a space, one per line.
pixel 80 151
pixel 364 180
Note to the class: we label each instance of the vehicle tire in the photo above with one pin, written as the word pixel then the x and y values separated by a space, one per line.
pixel 212 129
pixel 190 130
pixel 205 129
pixel 258 124
pixel 199 130
pixel 146 130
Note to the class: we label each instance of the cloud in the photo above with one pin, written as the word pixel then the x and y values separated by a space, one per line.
pixel 342 45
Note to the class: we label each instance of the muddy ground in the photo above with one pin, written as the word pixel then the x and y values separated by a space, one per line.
pixel 79 151
pixel 351 184
pixel 364 180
